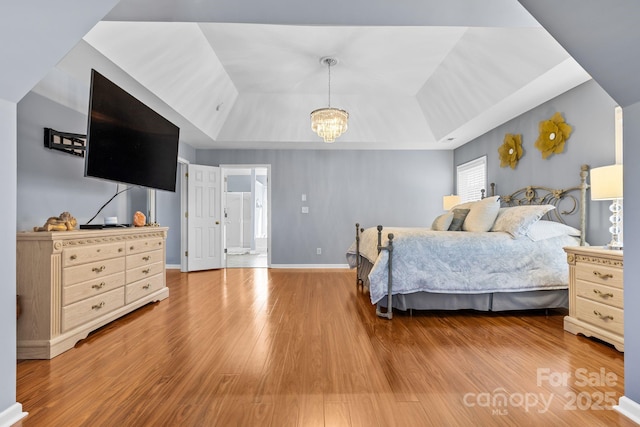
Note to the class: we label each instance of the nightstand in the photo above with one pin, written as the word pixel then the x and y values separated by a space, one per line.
pixel 596 294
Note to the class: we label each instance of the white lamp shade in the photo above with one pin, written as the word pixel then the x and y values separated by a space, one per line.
pixel 450 201
pixel 606 183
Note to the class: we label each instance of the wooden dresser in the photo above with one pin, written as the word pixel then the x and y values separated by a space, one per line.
pixel 596 294
pixel 73 282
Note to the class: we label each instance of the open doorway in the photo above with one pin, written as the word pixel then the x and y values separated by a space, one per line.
pixel 246 221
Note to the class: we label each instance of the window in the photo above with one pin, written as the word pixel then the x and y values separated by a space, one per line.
pixel 471 179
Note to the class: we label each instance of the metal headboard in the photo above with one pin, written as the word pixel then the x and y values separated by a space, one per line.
pixel 568 201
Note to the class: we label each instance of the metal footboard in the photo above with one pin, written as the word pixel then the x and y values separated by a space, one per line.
pixel 362 270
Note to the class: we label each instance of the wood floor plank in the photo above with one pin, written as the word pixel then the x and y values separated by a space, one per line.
pixel 298 347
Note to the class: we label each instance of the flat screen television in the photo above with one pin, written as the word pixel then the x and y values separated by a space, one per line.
pixel 127 141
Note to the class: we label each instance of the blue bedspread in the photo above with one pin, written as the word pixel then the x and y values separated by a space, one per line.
pixel 463 262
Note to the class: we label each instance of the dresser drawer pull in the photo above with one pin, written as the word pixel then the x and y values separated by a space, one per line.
pixel 601 316
pixel 72 257
pixel 119 249
pixel 146 271
pixel 98 269
pixel 100 286
pixel 147 286
pixel 97 306
pixel 146 258
pixel 130 248
pixel 602 276
pixel 603 295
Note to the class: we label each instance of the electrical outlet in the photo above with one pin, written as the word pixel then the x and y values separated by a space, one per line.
pixel 305 209
pixel 319 251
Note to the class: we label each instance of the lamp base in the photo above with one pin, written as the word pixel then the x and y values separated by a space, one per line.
pixel 614 246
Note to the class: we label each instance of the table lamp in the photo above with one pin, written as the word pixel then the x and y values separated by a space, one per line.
pixel 606 184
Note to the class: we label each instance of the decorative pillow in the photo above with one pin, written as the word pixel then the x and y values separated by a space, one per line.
pixel 442 222
pixel 482 214
pixel 543 229
pixel 518 219
pixel 458 219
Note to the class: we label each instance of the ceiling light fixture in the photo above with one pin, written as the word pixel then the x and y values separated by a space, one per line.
pixel 329 123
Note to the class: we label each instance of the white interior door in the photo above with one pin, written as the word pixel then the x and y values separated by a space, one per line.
pixel 204 217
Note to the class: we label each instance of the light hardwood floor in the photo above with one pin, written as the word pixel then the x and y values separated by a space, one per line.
pixel 262 347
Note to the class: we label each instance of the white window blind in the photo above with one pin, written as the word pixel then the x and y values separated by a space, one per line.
pixel 471 178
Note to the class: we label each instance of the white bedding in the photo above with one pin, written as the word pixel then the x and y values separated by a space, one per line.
pixel 457 262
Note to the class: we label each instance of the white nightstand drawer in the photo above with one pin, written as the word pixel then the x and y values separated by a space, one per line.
pixel 601 315
pixel 602 274
pixel 600 293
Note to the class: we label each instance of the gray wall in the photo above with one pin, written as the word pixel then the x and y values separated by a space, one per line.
pixel 342 187
pixel 631 253
pixel 590 111
pixel 50 181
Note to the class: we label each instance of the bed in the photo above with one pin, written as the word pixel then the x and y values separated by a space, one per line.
pixel 510 259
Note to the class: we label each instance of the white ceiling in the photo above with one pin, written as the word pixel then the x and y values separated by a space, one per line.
pixel 253 85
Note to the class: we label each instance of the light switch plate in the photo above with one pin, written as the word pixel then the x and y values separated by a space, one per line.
pixel 305 209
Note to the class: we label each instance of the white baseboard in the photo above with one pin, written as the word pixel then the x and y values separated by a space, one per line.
pixel 629 409
pixel 12 415
pixel 310 266
pixel 345 266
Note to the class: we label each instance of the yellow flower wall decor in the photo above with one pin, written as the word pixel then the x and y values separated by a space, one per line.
pixel 553 134
pixel 510 151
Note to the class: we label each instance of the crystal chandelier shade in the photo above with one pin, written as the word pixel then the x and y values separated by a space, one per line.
pixel 329 123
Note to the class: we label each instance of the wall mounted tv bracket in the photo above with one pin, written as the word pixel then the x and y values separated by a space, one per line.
pixel 72 143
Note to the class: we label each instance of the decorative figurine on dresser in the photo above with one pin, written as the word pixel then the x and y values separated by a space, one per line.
pixel 73 282
pixel 596 294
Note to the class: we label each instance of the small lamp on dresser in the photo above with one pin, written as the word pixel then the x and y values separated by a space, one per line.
pixel 606 184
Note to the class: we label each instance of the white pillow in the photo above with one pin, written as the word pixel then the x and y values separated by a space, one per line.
pixel 518 219
pixel 482 214
pixel 442 222
pixel 543 229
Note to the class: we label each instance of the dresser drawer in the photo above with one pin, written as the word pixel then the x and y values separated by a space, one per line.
pixel 92 270
pixel 601 315
pixel 143 287
pixel 80 291
pixel 144 271
pixel 600 293
pixel 91 308
pixel 83 254
pixel 144 245
pixel 603 275
pixel 144 258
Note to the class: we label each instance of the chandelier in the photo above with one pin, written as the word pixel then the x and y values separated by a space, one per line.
pixel 329 123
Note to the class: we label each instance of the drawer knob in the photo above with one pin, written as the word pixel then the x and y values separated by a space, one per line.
pixel 602 276
pixel 98 269
pixel 100 286
pixel 601 316
pixel 97 306
pixel 72 257
pixel 119 249
pixel 603 295
pixel 146 258
pixel 147 286
pixel 130 248
pixel 146 271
